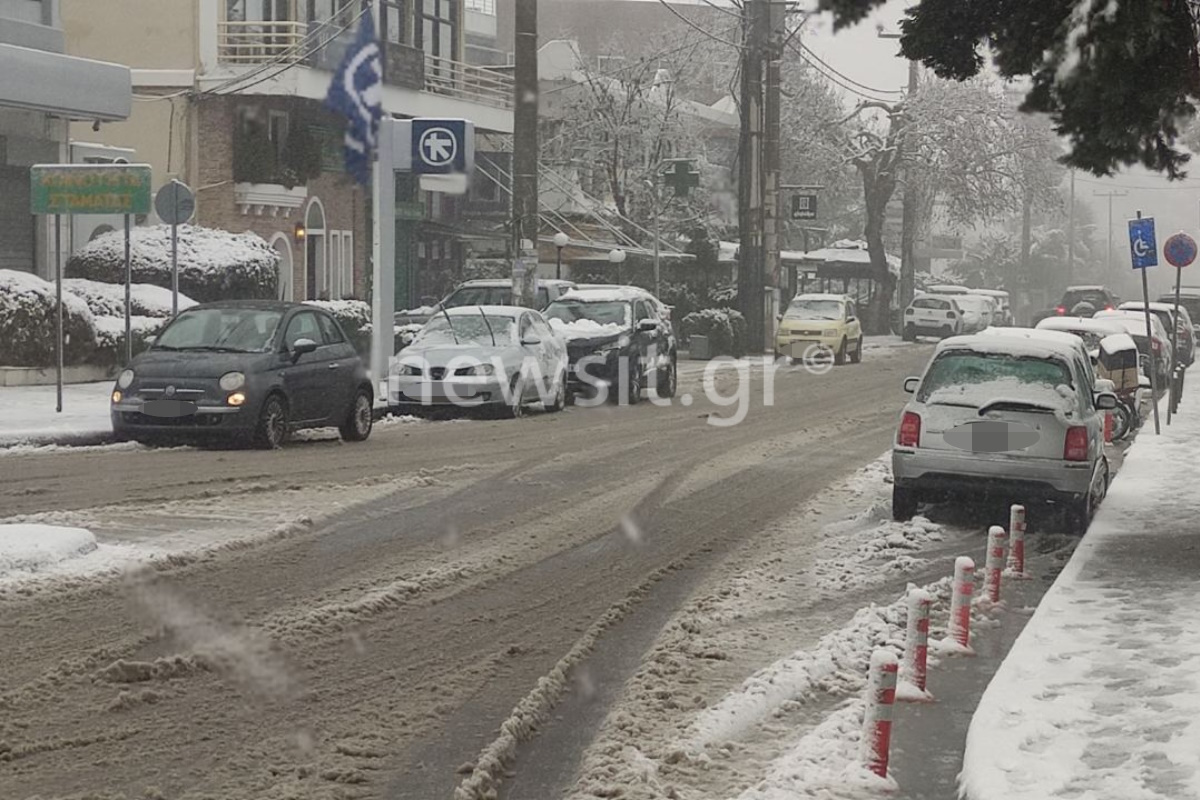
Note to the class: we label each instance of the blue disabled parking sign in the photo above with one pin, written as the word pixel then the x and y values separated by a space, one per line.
pixel 442 146
pixel 1143 248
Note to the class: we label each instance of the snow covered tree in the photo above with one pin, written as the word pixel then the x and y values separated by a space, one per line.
pixel 1119 78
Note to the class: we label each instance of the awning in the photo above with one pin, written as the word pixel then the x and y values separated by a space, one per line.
pixel 65 86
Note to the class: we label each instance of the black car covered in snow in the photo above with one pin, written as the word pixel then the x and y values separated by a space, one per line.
pixel 619 343
pixel 245 370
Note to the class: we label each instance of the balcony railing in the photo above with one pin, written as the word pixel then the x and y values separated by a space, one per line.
pixel 468 82
pixel 259 42
pixel 249 43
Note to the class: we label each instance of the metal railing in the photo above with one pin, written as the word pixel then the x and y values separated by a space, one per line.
pixel 468 82
pixel 259 42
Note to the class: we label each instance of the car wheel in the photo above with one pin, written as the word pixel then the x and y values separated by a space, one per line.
pixel 560 393
pixel 856 356
pixel 516 404
pixel 1121 421
pixel 358 424
pixel 904 504
pixel 633 388
pixel 667 386
pixel 839 358
pixel 272 429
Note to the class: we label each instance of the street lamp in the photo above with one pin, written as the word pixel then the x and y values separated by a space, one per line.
pixel 561 240
pixel 616 257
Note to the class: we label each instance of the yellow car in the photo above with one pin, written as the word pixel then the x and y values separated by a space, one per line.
pixel 820 324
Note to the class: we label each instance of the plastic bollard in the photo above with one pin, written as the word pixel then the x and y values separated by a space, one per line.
pixel 877 721
pixel 997 554
pixel 1108 427
pixel 916 638
pixel 1016 535
pixel 960 600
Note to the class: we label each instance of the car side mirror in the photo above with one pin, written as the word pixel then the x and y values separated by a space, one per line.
pixel 910 384
pixel 1106 401
pixel 531 339
pixel 150 340
pixel 779 317
pixel 302 346
pixel 647 326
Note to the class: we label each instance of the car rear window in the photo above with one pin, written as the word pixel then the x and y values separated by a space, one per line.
pixel 970 369
pixel 1097 298
pixel 929 302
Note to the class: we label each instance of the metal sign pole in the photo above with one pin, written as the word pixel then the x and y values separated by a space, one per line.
pixel 1174 342
pixel 58 289
pixel 175 268
pixel 1150 341
pixel 128 295
pixel 657 229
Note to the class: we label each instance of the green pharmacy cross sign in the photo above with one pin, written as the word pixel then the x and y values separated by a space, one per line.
pixel 681 175
pixel 90 189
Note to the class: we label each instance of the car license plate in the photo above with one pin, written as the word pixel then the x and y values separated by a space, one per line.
pixel 168 408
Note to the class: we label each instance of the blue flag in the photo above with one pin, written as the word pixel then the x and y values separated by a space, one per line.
pixel 357 94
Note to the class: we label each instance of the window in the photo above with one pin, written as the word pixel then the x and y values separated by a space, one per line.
pixel 395 21
pixel 642 311
pixel 277 131
pixel 482 6
pixel 526 326
pixel 438 29
pixel 329 330
pixel 302 326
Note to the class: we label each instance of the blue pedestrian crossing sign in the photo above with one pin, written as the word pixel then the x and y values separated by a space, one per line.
pixel 442 146
pixel 1143 249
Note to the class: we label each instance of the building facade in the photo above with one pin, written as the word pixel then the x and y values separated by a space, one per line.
pixel 230 100
pixel 42 90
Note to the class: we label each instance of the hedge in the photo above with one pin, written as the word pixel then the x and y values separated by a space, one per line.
pixel 29 323
pixel 724 327
pixel 213 264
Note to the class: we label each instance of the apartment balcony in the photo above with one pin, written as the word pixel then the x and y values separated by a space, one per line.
pixel 245 46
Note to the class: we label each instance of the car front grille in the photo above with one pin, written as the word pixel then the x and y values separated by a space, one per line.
pixel 192 421
pixel 437 373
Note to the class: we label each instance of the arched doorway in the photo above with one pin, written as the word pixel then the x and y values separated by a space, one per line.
pixel 283 246
pixel 316 281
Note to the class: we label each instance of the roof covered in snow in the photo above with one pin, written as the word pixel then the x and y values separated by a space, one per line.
pixel 1081 324
pixel 1017 342
pixel 847 251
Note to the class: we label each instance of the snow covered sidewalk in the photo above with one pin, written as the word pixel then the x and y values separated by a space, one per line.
pixel 27 415
pixel 1100 697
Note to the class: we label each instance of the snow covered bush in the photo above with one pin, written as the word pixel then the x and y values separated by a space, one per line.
pixel 108 299
pixel 28 322
pixel 110 336
pixel 213 264
pixel 355 317
pixel 724 327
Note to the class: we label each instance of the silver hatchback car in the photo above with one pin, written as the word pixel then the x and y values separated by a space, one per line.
pixel 1015 416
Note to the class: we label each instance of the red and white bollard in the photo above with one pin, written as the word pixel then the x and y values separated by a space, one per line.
pixel 960 601
pixel 997 554
pixel 877 721
pixel 1016 535
pixel 1108 427
pixel 916 640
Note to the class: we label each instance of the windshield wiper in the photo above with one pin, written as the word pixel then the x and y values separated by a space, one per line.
pixel 489 325
pixel 213 348
pixel 1017 404
pixel 450 322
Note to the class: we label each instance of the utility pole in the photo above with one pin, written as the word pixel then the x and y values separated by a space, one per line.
pixel 525 137
pixel 1071 235
pixel 776 12
pixel 750 173
pixel 1110 196
pixel 908 224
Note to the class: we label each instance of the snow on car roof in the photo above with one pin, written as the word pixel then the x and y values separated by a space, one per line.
pixel 1086 324
pixel 495 311
pixel 989 292
pixel 948 288
pixel 617 294
pixel 1087 288
pixel 819 296
pixel 1017 342
pixel 1116 342
pixel 1136 305
pixel 490 282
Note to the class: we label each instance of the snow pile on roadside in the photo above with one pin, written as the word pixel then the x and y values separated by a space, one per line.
pixel 1099 697
pixel 31 547
pixel 825 764
pixel 886 548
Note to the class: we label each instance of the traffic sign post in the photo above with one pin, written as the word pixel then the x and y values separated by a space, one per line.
pixel 175 203
pixel 1143 250
pixel 88 189
pixel 804 206
pixel 1180 252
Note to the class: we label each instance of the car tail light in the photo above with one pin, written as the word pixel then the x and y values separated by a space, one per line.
pixel 910 430
pixel 1156 345
pixel 910 311
pixel 1108 307
pixel 1076 446
pixel 1060 310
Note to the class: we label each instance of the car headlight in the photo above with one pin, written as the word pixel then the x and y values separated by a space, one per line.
pixel 410 370
pixel 231 381
pixel 831 333
pixel 125 378
pixel 479 370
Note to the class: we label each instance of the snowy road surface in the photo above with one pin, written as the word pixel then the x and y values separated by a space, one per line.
pixel 1100 697
pixel 366 617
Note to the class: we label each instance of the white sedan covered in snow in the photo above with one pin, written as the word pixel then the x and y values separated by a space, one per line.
pixel 502 357
pixel 1007 416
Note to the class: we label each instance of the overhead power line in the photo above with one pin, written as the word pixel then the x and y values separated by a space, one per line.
pixel 805 49
pixel 696 27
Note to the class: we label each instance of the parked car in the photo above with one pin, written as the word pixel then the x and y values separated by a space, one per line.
pixel 1157 350
pixel 946 288
pixel 1189 298
pixel 1012 417
pixel 1004 313
pixel 1100 298
pixel 978 312
pixel 484 293
pixel 826 324
pixel 481 357
pixel 618 338
pixel 1185 339
pixel 665 310
pixel 252 371
pixel 1089 329
pixel 932 315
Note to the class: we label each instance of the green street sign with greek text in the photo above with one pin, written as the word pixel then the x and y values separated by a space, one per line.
pixel 90 189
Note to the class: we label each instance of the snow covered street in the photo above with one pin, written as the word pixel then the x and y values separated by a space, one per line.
pixel 1100 697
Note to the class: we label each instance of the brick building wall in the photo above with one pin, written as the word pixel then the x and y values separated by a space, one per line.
pixel 344 202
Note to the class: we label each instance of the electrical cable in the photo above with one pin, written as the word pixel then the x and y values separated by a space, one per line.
pixel 805 52
pixel 697 28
